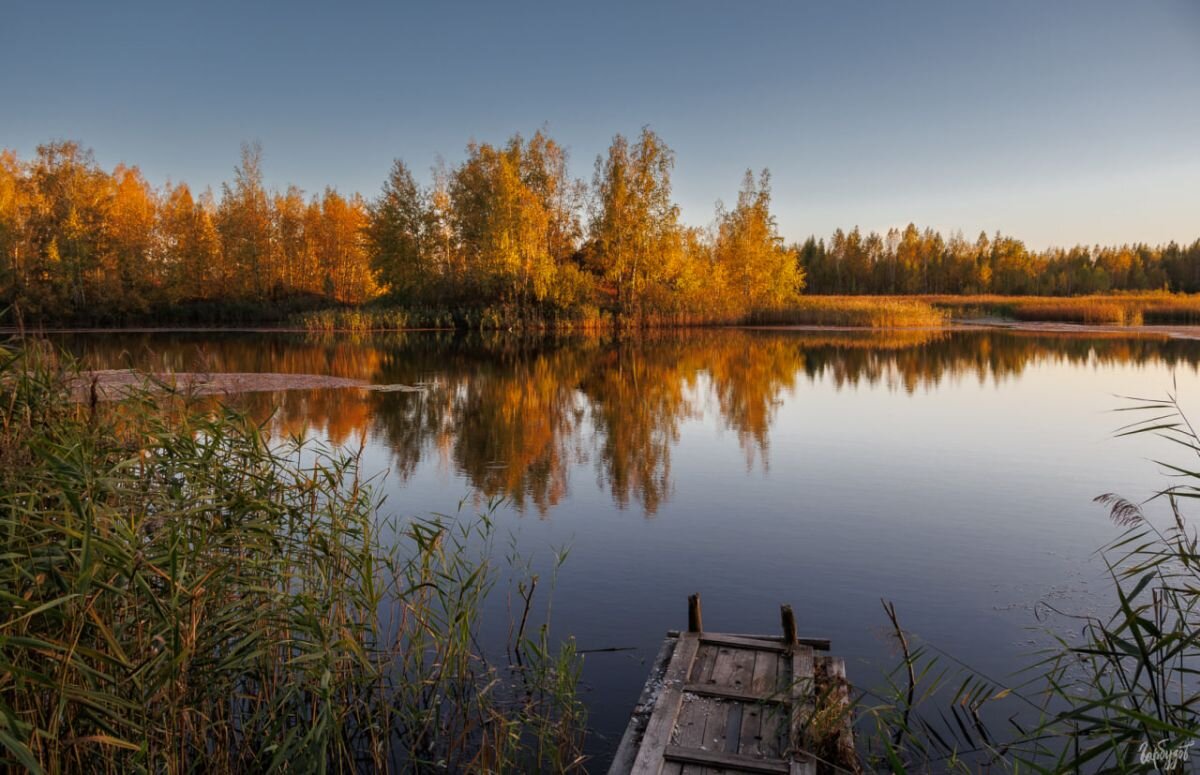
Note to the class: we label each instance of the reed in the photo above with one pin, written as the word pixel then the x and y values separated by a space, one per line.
pixel 1172 308
pixel 1122 309
pixel 876 312
pixel 1088 311
pixel 487 318
pixel 853 312
pixel 1123 697
pixel 841 311
pixel 178 593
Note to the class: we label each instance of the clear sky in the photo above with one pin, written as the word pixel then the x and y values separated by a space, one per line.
pixel 1057 122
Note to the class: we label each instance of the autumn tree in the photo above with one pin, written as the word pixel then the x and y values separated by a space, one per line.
pixel 400 229
pixel 189 244
pixel 761 272
pixel 244 223
pixel 634 222
pixel 495 221
pixel 129 274
pixel 11 229
pixel 514 219
pixel 67 209
pixel 340 243
pixel 299 271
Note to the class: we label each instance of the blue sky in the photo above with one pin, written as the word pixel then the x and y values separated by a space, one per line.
pixel 1057 122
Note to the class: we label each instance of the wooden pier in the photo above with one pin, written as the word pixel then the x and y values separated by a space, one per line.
pixel 727 703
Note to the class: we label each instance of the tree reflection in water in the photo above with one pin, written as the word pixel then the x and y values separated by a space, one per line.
pixel 516 415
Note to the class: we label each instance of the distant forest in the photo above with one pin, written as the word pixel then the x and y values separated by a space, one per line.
pixel 507 226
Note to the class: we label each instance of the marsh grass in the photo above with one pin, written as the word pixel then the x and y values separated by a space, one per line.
pixel 178 594
pixel 873 312
pixel 1122 309
pixel 1088 311
pixel 847 311
pixel 853 311
pixel 1128 687
pixel 381 317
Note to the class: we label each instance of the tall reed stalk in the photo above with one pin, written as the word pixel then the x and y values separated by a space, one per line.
pixel 177 593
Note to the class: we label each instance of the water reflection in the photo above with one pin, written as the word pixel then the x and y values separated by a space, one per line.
pixel 516 416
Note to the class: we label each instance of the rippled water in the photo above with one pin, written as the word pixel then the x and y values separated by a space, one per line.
pixel 951 473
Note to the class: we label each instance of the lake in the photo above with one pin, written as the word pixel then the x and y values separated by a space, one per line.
pixel 951 473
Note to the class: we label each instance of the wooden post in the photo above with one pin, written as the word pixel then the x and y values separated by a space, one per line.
pixel 695 622
pixel 789 626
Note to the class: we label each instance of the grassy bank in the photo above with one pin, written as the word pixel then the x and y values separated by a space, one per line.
pixel 176 594
pixel 873 312
pixel 845 311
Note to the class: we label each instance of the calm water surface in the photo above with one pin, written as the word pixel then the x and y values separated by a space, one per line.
pixel 951 473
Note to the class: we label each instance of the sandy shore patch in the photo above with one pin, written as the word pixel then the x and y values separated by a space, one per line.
pixel 111 384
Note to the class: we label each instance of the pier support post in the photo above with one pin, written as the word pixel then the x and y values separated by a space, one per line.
pixel 789 626
pixel 695 622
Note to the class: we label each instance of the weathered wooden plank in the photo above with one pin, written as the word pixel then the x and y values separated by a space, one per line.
pixel 726 760
pixel 743 669
pixel 710 715
pixel 689 730
pixel 723 667
pixel 689 726
pixel 702 669
pixel 765 681
pixel 666 708
pixel 733 727
pixel 628 747
pixel 766 678
pixel 709 658
pixel 718 722
pixel 725 693
pixel 751 732
pixel 740 679
pixel 802 697
pixel 750 739
pixel 760 643
pixel 773 744
pixel 820 644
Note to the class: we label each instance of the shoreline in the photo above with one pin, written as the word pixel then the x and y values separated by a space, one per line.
pixel 1173 331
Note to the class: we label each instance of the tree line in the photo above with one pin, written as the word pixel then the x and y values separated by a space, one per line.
pixel 506 226
pixel 916 261
pixel 82 243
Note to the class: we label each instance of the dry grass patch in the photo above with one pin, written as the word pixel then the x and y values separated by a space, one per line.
pixel 854 312
pixel 1122 309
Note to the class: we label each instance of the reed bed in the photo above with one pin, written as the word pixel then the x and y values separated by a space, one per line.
pixel 1168 309
pixel 843 311
pixel 1125 309
pixel 1088 311
pixel 490 318
pixel 853 312
pixel 179 594
pixel 1122 309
